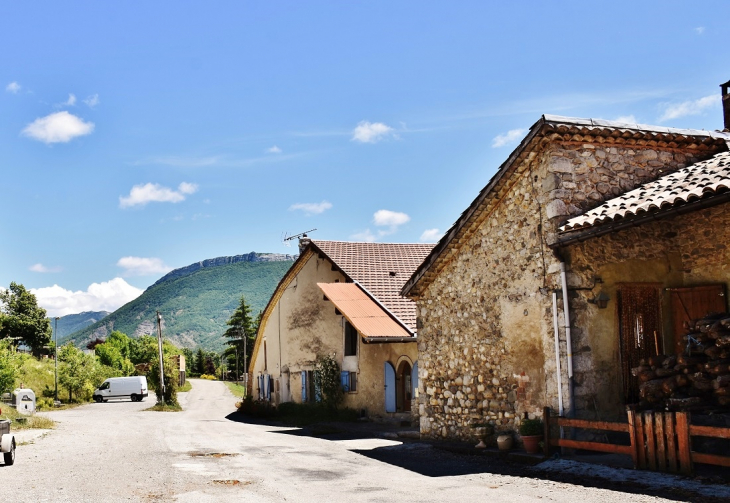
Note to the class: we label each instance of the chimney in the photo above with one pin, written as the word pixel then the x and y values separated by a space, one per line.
pixel 303 243
pixel 726 104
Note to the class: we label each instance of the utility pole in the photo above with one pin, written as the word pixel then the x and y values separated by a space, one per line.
pixel 161 396
pixel 55 360
pixel 237 375
pixel 245 372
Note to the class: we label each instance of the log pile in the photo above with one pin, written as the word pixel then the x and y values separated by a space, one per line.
pixel 695 380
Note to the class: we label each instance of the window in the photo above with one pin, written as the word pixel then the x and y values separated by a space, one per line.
pixel 348 381
pixel 350 339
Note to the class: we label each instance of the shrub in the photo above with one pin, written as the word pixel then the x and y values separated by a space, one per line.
pixel 208 377
pixel 327 380
pixel 171 378
pixel 257 408
pixel 531 427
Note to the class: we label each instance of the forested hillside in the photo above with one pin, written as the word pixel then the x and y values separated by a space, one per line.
pixel 74 322
pixel 194 306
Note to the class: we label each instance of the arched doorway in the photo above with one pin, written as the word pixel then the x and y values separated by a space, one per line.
pixel 404 387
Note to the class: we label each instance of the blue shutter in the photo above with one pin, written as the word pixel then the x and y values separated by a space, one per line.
pixel 268 388
pixel 414 378
pixel 389 378
pixel 345 380
pixel 260 383
pixel 304 386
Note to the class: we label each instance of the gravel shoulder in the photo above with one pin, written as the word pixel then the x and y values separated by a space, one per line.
pixel 116 451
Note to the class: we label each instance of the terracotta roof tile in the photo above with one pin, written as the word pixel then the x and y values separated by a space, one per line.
pixel 698 181
pixel 381 268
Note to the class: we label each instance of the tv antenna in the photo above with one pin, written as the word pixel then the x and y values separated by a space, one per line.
pixel 286 238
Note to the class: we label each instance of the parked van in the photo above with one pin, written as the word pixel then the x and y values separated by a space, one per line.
pixel 134 388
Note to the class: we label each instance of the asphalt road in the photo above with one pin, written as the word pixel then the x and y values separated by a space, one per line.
pixel 116 451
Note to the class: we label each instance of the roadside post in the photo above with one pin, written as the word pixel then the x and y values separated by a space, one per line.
pixel 55 362
pixel 161 395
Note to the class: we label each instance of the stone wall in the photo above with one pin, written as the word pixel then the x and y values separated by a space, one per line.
pixel 486 347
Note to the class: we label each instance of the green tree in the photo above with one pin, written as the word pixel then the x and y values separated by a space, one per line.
pixel 327 380
pixel 77 371
pixel 171 378
pixel 9 367
pixel 242 329
pixel 24 319
pixel 115 352
pixel 200 362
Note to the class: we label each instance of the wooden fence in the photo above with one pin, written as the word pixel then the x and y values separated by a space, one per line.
pixel 659 441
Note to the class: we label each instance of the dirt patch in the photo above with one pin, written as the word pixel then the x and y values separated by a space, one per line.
pixel 231 482
pixel 196 454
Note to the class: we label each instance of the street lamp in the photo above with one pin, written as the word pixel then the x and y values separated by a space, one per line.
pixel 55 359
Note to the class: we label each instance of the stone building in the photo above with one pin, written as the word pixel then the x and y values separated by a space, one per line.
pixel 491 295
pixel 342 299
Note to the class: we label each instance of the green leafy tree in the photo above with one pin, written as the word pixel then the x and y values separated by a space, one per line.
pixel 241 330
pixel 171 378
pixel 24 319
pixel 327 380
pixel 9 366
pixel 115 352
pixel 77 371
pixel 200 362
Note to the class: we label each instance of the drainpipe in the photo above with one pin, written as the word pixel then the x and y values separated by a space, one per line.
pixel 557 354
pixel 568 340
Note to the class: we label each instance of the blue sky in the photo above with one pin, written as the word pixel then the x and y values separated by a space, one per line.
pixel 138 137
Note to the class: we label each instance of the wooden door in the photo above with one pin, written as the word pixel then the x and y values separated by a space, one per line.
pixel 640 329
pixel 691 303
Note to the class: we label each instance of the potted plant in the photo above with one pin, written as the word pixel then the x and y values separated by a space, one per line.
pixel 483 431
pixel 531 431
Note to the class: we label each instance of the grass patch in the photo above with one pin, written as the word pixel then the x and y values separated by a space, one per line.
pixel 21 422
pixel 166 408
pixel 237 390
pixel 185 387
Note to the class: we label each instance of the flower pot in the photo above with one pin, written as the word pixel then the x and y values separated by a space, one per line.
pixel 504 442
pixel 532 443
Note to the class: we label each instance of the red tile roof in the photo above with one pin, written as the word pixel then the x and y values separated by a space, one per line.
pixel 363 312
pixel 698 181
pixel 381 268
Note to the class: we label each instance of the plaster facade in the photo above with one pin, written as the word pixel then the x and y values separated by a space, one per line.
pixel 301 324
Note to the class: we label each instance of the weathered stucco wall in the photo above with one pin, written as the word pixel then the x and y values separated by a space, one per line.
pixel 486 346
pixel 303 325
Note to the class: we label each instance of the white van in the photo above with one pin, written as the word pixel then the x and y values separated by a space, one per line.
pixel 134 388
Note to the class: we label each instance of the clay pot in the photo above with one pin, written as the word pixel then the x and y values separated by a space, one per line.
pixel 532 443
pixel 504 442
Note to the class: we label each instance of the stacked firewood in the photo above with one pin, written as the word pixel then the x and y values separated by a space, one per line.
pixel 698 378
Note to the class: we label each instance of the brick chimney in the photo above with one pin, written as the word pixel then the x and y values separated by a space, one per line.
pixel 303 243
pixel 726 104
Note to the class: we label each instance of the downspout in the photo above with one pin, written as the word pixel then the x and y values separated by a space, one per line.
pixel 557 354
pixel 568 340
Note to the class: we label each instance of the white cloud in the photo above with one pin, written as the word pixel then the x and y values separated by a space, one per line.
pixel 41 268
pixel 311 208
pixel 59 127
pixel 274 150
pixel 430 236
pixel 700 30
pixel 153 192
pixel 371 132
pixel 13 87
pixel 627 119
pixel 365 236
pixel 71 101
pixel 692 107
pixel 390 218
pixel 511 136
pixel 92 100
pixel 105 296
pixel 143 266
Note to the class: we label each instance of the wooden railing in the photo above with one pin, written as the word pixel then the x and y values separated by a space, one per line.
pixel 660 441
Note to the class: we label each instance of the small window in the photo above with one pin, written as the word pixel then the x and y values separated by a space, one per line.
pixel 350 340
pixel 348 381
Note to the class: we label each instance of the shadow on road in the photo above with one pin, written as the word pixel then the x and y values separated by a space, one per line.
pixel 438 459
